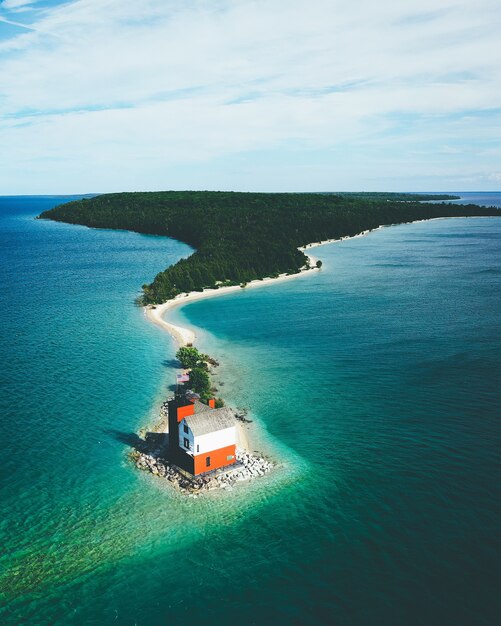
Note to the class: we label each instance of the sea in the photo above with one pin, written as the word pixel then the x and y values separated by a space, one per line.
pixel 375 382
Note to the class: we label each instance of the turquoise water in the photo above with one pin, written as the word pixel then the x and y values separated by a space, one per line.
pixel 376 380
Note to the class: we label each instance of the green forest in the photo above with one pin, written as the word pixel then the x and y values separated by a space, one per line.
pixel 239 237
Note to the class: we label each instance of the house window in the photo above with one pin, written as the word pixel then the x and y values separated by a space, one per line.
pixel 186 429
pixel 186 443
pixel 230 457
pixel 207 461
pixel 198 448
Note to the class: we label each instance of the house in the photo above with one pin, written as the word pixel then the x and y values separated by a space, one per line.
pixel 201 437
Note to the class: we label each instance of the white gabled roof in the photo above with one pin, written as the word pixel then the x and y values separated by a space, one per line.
pixel 210 421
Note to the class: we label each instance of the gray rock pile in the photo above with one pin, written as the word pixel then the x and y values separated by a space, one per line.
pixel 250 466
pixel 164 409
pixel 247 467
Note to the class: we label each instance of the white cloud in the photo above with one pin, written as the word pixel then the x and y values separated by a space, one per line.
pixel 161 83
pixel 16 4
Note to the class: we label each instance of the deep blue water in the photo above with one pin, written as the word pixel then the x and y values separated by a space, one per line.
pixel 377 380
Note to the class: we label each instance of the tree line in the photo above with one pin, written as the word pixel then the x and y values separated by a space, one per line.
pixel 239 237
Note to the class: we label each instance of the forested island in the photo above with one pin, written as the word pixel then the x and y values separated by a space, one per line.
pixel 240 237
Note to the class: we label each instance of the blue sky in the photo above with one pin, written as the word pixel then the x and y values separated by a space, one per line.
pixel 255 95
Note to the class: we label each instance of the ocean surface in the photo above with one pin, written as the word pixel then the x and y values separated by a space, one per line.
pixel 376 381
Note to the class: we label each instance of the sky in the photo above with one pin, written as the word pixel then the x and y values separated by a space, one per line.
pixel 249 95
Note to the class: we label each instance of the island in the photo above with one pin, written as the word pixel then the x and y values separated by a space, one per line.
pixel 240 237
pixel 203 444
pixel 240 240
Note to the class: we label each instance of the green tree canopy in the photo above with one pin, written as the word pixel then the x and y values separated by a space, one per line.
pixel 241 237
pixel 188 356
pixel 200 382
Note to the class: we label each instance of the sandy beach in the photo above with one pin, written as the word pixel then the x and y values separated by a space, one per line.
pixel 185 336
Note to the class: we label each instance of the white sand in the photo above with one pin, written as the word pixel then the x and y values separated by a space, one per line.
pixel 183 335
pixel 243 436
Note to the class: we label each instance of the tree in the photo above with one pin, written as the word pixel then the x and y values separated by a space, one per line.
pixel 189 357
pixel 239 237
pixel 319 264
pixel 200 382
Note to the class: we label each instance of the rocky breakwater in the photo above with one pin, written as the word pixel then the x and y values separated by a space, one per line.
pixel 247 467
pixel 164 409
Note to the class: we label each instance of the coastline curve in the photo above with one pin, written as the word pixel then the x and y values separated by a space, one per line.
pixel 186 336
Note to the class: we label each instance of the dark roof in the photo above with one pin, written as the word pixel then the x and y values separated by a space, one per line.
pixel 200 407
pixel 210 420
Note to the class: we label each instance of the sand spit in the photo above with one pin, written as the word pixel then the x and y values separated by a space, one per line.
pixel 184 336
pixel 249 464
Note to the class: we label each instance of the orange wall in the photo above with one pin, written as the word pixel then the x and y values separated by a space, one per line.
pixel 184 411
pixel 212 403
pixel 218 458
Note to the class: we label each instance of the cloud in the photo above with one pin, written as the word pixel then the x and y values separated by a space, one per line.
pixel 16 4
pixel 166 84
pixel 34 29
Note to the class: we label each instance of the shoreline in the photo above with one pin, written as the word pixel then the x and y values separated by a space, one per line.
pixel 151 455
pixel 184 336
pixel 246 432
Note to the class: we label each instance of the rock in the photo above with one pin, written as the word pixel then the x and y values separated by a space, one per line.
pixel 251 466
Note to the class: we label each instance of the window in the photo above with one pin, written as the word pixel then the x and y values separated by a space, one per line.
pixel 207 461
pixel 186 429
pixel 198 448
pixel 186 443
pixel 230 457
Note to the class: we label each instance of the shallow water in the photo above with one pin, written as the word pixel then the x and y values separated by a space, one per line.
pixel 376 379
